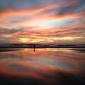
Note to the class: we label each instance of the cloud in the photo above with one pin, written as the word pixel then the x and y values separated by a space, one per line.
pixel 54 18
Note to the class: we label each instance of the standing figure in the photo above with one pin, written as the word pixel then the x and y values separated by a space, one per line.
pixel 34 47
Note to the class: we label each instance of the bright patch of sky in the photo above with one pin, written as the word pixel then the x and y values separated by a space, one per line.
pixel 55 23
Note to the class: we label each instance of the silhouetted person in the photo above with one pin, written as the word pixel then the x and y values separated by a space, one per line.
pixel 34 47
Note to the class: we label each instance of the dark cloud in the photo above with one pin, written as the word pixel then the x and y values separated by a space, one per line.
pixel 22 4
pixel 71 7
pixel 17 4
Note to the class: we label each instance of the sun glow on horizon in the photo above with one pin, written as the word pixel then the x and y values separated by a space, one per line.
pixel 47 40
pixel 24 40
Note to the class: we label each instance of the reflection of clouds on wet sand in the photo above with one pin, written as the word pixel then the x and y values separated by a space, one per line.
pixel 42 64
pixel 9 57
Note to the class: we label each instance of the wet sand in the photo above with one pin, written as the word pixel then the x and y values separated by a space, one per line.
pixel 45 66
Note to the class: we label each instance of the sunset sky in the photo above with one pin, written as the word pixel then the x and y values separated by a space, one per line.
pixel 42 21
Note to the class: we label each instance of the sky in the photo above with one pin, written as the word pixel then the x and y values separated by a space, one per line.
pixel 42 21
